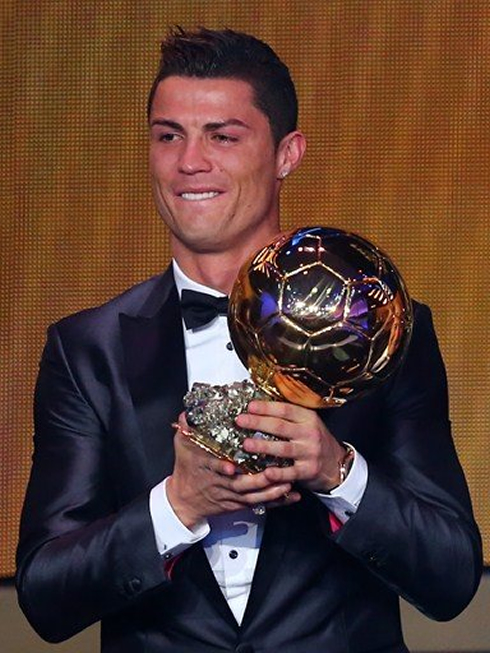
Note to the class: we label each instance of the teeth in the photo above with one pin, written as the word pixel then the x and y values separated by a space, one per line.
pixel 194 197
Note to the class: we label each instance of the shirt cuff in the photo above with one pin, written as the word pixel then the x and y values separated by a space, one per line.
pixel 171 536
pixel 345 499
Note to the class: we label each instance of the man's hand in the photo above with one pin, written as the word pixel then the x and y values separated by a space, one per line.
pixel 303 438
pixel 202 485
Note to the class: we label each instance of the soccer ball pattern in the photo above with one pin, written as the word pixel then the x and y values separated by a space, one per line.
pixel 319 316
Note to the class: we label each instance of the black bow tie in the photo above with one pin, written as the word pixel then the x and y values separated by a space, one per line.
pixel 198 308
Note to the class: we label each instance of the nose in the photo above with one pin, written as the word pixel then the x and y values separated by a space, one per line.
pixel 194 158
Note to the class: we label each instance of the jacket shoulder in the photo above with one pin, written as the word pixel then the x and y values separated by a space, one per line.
pixel 131 302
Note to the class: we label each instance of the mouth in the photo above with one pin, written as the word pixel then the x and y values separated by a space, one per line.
pixel 198 197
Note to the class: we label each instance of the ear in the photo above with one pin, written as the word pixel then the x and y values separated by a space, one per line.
pixel 290 153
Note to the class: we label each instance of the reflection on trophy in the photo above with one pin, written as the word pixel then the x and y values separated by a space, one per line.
pixel 319 317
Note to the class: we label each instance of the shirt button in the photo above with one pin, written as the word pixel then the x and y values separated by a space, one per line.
pixel 233 554
pixel 229 346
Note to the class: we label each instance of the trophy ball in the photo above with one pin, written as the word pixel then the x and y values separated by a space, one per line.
pixel 320 317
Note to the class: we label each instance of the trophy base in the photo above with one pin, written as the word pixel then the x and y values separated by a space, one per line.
pixel 211 411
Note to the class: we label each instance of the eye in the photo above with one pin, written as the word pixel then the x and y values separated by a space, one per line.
pixel 224 138
pixel 168 137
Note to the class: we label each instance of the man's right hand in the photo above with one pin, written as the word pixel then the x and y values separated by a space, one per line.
pixel 202 485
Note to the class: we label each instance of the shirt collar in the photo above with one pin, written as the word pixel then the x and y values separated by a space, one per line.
pixel 182 281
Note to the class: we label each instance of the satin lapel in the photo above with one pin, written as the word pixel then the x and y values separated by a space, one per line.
pixel 156 371
pixel 196 566
pixel 274 542
pixel 154 351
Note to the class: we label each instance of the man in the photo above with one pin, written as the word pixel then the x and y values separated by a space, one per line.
pixel 125 523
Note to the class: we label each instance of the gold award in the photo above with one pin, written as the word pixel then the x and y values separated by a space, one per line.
pixel 319 317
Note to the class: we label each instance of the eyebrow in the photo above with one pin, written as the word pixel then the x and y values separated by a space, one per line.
pixel 209 127
pixel 167 123
pixel 212 126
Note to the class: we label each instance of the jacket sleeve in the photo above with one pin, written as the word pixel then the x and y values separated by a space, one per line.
pixel 414 527
pixel 79 556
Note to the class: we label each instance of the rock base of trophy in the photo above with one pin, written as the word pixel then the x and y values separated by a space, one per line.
pixel 211 411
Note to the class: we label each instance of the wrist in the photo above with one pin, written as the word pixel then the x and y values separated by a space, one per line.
pixel 180 507
pixel 344 465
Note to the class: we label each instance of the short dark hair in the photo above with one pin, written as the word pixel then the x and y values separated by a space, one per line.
pixel 205 53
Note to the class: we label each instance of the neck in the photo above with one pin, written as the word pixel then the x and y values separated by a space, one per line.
pixel 217 270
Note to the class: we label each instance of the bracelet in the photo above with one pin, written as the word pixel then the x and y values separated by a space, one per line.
pixel 345 465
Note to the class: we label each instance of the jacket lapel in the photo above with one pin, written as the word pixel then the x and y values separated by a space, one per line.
pixel 155 363
pixel 274 542
pixel 154 352
pixel 196 566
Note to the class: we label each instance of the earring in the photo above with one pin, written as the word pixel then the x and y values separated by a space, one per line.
pixel 283 174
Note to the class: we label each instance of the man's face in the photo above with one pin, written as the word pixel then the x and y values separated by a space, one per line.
pixel 213 164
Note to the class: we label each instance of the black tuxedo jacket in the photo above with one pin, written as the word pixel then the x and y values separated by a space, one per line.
pixel 111 383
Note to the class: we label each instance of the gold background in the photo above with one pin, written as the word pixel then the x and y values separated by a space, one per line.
pixel 394 98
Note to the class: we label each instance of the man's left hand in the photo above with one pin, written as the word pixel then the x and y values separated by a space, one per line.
pixel 304 438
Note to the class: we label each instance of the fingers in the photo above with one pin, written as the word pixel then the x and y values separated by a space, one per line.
pixel 210 485
pixel 272 493
pixel 286 449
pixel 202 484
pixel 199 456
pixel 286 500
pixel 244 484
pixel 301 437
pixel 280 409
pixel 258 489
pixel 282 420
pixel 274 425
pixel 216 465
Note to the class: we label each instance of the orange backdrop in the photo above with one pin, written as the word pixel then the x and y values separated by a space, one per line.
pixel 395 104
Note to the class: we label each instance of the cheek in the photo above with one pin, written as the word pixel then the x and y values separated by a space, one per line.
pixel 160 196
pixel 261 183
pixel 155 181
pixel 159 166
pixel 259 178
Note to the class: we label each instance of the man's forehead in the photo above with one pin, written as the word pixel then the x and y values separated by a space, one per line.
pixel 206 89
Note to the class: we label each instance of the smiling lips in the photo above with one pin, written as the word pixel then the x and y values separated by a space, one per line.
pixel 195 197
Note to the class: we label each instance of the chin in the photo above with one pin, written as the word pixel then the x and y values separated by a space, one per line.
pixel 201 243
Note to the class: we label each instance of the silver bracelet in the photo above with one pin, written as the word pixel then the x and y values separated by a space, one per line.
pixel 344 465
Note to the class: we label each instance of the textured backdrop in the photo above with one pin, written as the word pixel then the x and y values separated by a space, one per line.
pixel 395 103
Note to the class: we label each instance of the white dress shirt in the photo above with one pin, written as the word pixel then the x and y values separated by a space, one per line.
pixel 231 540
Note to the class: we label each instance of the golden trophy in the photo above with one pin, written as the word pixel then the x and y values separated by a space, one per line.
pixel 319 317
